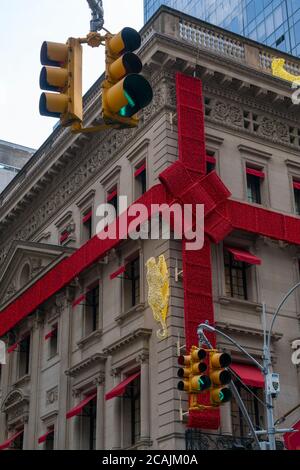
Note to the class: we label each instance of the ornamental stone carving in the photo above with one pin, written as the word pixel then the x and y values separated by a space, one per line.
pixel 51 396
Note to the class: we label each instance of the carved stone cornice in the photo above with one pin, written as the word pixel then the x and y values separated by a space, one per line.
pixel 246 330
pixel 91 361
pixel 141 333
pixel 100 379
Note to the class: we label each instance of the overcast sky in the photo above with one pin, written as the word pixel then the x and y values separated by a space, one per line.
pixel 24 25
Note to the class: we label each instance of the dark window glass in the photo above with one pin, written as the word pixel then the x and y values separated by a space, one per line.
pixel 297 200
pixel 92 310
pixel 87 229
pixel 89 416
pixel 210 167
pixel 133 398
pixel 254 408
pixel 254 189
pixel 132 282
pixel 141 184
pixel 53 342
pixel 24 356
pixel 235 277
pixel 49 444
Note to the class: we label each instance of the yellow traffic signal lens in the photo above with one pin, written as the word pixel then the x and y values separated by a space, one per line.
pixel 220 360
pixel 53 78
pixel 221 377
pixel 183 385
pixel 220 395
pixel 127 40
pixel 199 354
pixel 128 63
pixel 54 53
pixel 199 383
pixel 53 104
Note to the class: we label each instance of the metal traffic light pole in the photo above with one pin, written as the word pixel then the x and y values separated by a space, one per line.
pixel 204 339
pixel 266 370
pixel 97 21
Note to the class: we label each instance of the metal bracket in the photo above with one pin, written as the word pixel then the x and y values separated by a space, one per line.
pixel 178 347
pixel 178 273
pixel 173 120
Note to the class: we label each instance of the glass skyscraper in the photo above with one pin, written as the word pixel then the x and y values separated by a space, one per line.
pixel 275 23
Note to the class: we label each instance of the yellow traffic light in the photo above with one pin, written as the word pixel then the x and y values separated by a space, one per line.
pixel 62 76
pixel 220 377
pixel 194 379
pixel 125 92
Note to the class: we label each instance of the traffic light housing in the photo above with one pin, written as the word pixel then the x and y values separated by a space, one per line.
pixel 194 380
pixel 220 377
pixel 62 76
pixel 124 91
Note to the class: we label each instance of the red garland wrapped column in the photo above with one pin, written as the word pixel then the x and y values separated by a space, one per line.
pixel 197 272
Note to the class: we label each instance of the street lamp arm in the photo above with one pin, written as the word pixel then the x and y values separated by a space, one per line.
pixel 215 330
pixel 278 310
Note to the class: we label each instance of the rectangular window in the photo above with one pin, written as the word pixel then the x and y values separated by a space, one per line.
pixel 92 310
pixel 112 198
pixel 87 226
pixel 235 277
pixel 132 283
pixel 88 425
pixel 140 176
pixel 18 443
pixel 49 443
pixel 24 356
pixel 132 413
pixel 296 185
pixel 253 189
pixel 254 408
pixel 255 179
pixel 210 162
pixel 53 342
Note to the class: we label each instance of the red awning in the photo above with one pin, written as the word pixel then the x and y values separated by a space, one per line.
pixel 78 408
pixel 250 375
pixel 87 217
pixel 140 170
pixel 51 333
pixel 296 184
pixel 211 159
pixel 257 173
pixel 245 256
pixel 78 300
pixel 64 236
pixel 10 440
pixel 120 389
pixel 292 439
pixel 13 347
pixel 111 195
pixel 44 437
pixel 117 273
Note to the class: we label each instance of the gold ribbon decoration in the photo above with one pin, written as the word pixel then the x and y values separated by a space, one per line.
pixel 278 70
pixel 159 292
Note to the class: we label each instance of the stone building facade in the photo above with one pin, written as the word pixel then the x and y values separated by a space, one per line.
pixel 98 332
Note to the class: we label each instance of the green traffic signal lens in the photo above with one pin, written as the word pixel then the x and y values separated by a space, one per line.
pixel 225 395
pixel 138 93
pixel 204 382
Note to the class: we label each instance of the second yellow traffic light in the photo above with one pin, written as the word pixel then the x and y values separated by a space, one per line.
pixel 125 92
pixel 62 76
pixel 220 377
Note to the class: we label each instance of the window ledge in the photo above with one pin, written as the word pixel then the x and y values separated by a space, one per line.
pixel 141 444
pixel 95 335
pixel 22 381
pixel 137 308
pixel 223 300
